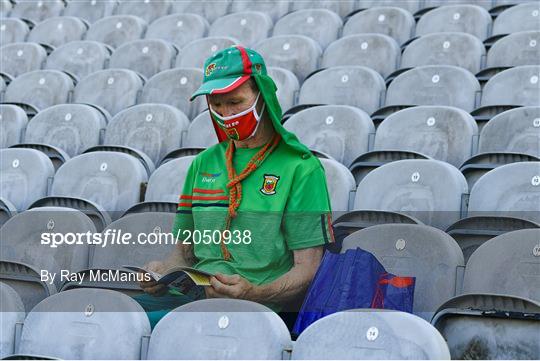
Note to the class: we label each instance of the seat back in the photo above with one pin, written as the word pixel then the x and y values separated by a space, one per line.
pixel 13 121
pixel 58 31
pixel 166 183
pixel 37 11
pixel 147 57
pixel 20 58
pixel 116 30
pixel 178 29
pixel 524 82
pixel 521 17
pixel 147 10
pixel 340 184
pixel 194 53
pixel 12 309
pixel 79 58
pixel 249 27
pixel 90 10
pixel 13 30
pixel 464 18
pixel 522 48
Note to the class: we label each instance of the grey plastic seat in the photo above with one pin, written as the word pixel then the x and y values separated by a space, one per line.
pixel 471 19
pixel 411 6
pixel 178 29
pixel 274 8
pixel 395 22
pixel 116 30
pixel 58 31
pixel 90 10
pixel 335 86
pixel 20 58
pixel 287 86
pixel 248 27
pixel 414 250
pixel 5 8
pixel 524 82
pixel 521 17
pixel 115 322
pixel 342 8
pixel 366 334
pixel 252 331
pixel 13 30
pixel 321 25
pixel 459 49
pixel 436 3
pixel 40 89
pixel 340 131
pixel 147 57
pixel 365 50
pixel 521 48
pixel 440 132
pixel 155 129
pixel 13 121
pixel 25 257
pixel 145 9
pixel 79 58
pixel 471 328
pixel 516 130
pixel 25 176
pixel 208 9
pixel 516 252
pixel 111 89
pixel 72 128
pixel 296 53
pixel 174 87
pixel 13 312
pixel 7 210
pixel 429 190
pixel 37 11
pixel 511 190
pixel 340 184
pixel 165 184
pixel 194 53
pixel 201 132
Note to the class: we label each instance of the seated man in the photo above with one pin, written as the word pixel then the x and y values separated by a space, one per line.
pixel 259 194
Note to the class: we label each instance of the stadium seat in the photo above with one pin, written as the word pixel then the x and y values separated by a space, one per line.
pixel 208 9
pixel 510 190
pixel 274 8
pixel 431 85
pixel 178 29
pixel 516 130
pixel 25 176
pixel 251 331
pixel 471 19
pixel 62 325
pixel 174 87
pixel 7 210
pixel 5 8
pixel 459 49
pixel 111 89
pixel 429 4
pixel 13 121
pixel 25 257
pixel 37 11
pixel 415 250
pixel 439 132
pixel 116 30
pixel 249 27
pixel 481 326
pixel 340 184
pixel 196 52
pixel 145 9
pixel 58 31
pixel 296 53
pixel 521 48
pixel 521 17
pixel 165 184
pixel 13 30
pixel 70 127
pixel 411 6
pixel 394 22
pixel 200 133
pixel 155 129
pixel 342 8
pixel 107 183
pixel 366 50
pixel 79 58
pixel 321 25
pixel 90 10
pixel 340 131
pixel 13 313
pixel 287 86
pixel 517 253
pixel 429 190
pixel 147 57
pixel 366 334
pixel 20 58
pixel 40 89
pixel 333 86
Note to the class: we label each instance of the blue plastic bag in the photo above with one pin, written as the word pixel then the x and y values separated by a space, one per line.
pixel 354 279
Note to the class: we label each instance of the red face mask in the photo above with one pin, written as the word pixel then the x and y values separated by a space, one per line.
pixel 242 125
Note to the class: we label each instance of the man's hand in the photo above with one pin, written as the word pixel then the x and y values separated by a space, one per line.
pixel 235 286
pixel 152 287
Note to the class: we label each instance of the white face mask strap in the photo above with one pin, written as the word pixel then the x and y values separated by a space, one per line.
pixel 251 108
